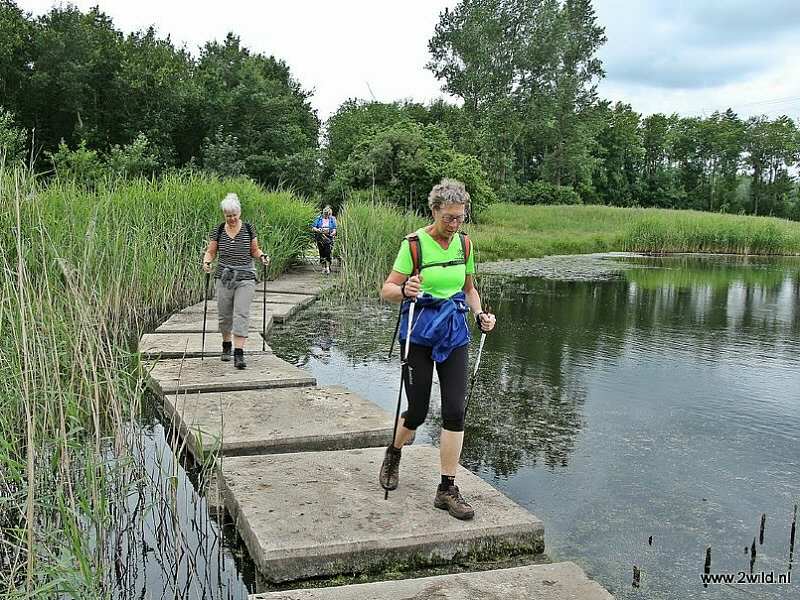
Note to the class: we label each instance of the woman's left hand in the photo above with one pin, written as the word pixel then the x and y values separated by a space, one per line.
pixel 486 322
pixel 265 260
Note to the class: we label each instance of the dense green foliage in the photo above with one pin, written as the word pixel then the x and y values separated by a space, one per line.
pixel 72 77
pixel 527 71
pixel 530 129
pixel 69 372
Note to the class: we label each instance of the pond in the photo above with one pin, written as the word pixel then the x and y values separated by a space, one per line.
pixel 644 416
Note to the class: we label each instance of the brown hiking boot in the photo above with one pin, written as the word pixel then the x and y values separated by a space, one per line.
pixel 453 502
pixel 390 469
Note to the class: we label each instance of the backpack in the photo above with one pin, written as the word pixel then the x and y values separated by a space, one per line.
pixel 247 226
pixel 415 248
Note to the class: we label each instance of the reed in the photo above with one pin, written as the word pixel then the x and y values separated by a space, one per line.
pixel 85 273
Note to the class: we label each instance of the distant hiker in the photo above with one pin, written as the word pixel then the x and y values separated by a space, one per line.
pixel 235 276
pixel 438 261
pixel 324 229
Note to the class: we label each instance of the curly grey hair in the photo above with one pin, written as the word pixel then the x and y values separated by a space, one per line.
pixel 230 204
pixel 448 191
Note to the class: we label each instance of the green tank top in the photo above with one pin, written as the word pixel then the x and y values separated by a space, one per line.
pixel 438 281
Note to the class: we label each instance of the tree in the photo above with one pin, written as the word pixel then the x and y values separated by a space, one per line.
pixel 620 156
pixel 161 98
pixel 527 72
pixel 404 160
pixel 16 41
pixel 74 85
pixel 255 99
pixel 12 138
pixel 773 147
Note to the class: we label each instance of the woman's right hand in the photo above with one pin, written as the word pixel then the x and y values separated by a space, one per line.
pixel 412 287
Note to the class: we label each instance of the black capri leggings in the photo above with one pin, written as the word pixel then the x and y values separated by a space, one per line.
pixel 453 382
pixel 325 247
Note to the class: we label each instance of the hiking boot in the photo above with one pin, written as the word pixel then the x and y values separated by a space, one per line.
pixel 390 469
pixel 238 361
pixel 226 352
pixel 453 502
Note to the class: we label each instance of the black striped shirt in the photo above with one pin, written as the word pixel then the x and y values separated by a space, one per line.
pixel 234 252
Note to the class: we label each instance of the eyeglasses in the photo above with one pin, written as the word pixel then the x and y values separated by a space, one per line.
pixel 454 218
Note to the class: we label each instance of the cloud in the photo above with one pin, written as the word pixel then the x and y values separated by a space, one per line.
pixel 696 45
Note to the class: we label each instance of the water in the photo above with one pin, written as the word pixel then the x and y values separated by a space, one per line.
pixel 661 403
pixel 164 543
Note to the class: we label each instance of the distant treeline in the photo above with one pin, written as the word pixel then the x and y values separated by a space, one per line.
pixel 530 127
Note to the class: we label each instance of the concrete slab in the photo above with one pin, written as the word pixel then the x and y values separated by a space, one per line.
pixel 296 283
pixel 558 581
pixel 189 345
pixel 193 322
pixel 317 514
pixel 279 420
pixel 279 312
pixel 195 375
pixel 272 298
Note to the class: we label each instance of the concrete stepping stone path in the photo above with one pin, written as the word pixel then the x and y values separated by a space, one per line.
pixel 189 345
pixel 557 581
pixel 194 375
pixel 279 420
pixel 317 514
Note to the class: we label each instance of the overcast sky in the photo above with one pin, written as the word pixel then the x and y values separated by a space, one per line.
pixel 685 56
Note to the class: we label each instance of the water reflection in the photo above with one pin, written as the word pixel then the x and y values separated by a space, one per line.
pixel 661 403
pixel 162 540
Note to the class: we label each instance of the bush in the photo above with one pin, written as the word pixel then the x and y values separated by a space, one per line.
pixel 540 192
pixel 12 138
pixel 81 165
pixel 222 156
pixel 133 160
pixel 405 160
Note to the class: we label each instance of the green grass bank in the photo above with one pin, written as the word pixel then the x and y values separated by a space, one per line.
pixel 371 233
pixel 70 380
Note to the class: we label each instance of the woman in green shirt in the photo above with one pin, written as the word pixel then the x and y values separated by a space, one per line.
pixel 444 291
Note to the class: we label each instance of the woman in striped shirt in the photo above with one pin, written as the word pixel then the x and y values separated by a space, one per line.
pixel 237 246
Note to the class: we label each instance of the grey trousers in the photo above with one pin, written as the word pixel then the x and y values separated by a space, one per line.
pixel 233 307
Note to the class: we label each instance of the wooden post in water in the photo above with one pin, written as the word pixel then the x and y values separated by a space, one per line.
pixel 637 575
pixel 761 531
pixel 752 555
pixel 791 538
pixel 707 566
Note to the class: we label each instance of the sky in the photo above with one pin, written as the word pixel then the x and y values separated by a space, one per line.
pixel 689 57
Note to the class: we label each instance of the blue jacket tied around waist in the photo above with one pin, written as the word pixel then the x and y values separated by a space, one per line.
pixel 438 324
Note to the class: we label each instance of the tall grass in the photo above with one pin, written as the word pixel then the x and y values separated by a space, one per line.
pixel 370 233
pixel 84 273
pixel 508 231
pixel 691 231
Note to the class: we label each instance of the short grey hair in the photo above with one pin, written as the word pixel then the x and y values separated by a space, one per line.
pixel 230 204
pixel 327 210
pixel 448 191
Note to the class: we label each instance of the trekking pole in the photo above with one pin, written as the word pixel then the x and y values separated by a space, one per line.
pixel 475 370
pixel 396 329
pixel 264 314
pixel 205 313
pixel 403 372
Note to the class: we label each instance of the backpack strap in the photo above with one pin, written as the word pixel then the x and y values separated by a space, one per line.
pixel 248 227
pixel 466 245
pixel 415 248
